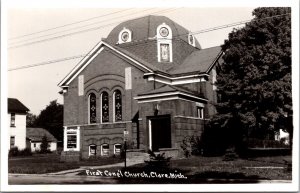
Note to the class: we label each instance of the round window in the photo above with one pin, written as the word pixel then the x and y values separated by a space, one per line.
pixel 125 36
pixel 164 32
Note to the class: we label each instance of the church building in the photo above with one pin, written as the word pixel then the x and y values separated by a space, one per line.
pixel 148 82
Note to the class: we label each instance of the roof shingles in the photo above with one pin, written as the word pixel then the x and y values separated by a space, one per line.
pixel 15 106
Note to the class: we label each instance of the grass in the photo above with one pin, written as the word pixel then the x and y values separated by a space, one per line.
pixel 202 169
pixel 47 163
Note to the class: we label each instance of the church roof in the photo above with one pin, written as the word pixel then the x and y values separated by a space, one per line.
pixel 144 28
pixel 15 106
pixel 36 134
pixel 198 61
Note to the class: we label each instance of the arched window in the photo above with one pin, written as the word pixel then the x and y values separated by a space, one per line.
pixel 117 106
pixel 92 150
pixel 117 149
pixel 92 108
pixel 105 149
pixel 104 107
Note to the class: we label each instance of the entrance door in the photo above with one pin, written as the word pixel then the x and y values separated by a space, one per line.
pixel 160 132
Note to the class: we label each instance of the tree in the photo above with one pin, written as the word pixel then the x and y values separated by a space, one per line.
pixel 51 119
pixel 31 120
pixel 254 81
pixel 44 145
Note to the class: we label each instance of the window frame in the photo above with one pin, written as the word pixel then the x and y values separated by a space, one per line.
pixel 89 108
pixel 114 106
pixel 101 106
pixel 13 119
pixel 102 153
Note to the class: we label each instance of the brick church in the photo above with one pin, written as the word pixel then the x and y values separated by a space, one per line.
pixel 149 83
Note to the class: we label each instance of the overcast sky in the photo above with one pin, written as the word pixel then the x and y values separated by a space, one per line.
pixel 37 86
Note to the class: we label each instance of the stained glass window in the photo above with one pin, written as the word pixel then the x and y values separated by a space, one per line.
pixel 105 107
pixel 93 107
pixel 118 105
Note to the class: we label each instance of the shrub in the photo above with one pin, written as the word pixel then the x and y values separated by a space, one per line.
pixel 44 145
pixel 263 143
pixel 158 161
pixel 192 146
pixel 14 151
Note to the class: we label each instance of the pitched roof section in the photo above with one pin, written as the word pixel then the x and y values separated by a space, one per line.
pixel 36 134
pixel 199 61
pixel 15 106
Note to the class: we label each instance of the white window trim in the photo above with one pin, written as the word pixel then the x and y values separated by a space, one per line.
pixel 200 112
pixel 164 40
pixel 120 41
pixel 77 133
pixel 116 148
pixel 102 148
pixel 90 149
pixel 194 41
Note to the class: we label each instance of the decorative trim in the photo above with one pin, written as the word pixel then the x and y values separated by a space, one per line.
pixel 177 80
pixel 161 39
pixel 95 124
pixel 175 93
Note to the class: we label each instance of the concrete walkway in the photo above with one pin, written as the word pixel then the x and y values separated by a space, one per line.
pixel 74 172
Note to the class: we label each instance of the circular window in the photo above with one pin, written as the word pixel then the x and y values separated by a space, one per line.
pixel 125 36
pixel 164 32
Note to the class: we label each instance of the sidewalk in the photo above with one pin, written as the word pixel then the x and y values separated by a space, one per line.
pixel 74 172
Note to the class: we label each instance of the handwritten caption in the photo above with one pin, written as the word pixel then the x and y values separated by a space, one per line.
pixel 128 174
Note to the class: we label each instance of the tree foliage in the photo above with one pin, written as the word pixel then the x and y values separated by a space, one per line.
pixel 254 81
pixel 51 119
pixel 44 145
pixel 31 120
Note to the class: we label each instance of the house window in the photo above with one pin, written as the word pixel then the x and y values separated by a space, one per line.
pixel 117 106
pixel 105 107
pixel 117 149
pixel 71 141
pixel 12 141
pixel 105 149
pixel 34 145
pixel 13 120
pixel 92 108
pixel 92 150
pixel 200 112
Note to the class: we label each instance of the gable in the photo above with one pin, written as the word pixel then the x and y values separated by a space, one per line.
pixel 89 58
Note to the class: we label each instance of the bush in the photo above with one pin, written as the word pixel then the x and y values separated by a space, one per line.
pixel 158 161
pixel 192 146
pixel 44 145
pixel 263 143
pixel 14 151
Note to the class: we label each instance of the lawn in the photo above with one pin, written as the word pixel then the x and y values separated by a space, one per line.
pixel 40 164
pixel 209 170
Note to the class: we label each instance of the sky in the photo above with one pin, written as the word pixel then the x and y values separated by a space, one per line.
pixel 37 86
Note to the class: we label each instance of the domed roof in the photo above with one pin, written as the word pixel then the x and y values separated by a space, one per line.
pixel 144 28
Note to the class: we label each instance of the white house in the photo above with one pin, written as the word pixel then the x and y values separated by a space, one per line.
pixel 35 135
pixel 17 123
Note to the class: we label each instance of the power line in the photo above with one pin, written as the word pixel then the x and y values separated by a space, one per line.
pixel 48 62
pixel 143 42
pixel 78 27
pixel 82 31
pixel 49 29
